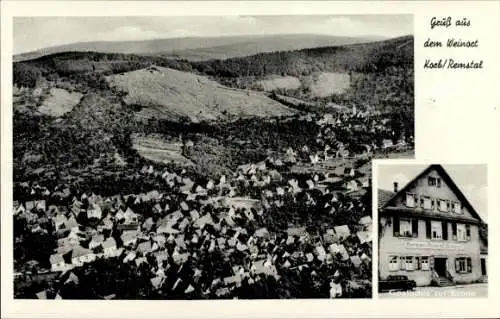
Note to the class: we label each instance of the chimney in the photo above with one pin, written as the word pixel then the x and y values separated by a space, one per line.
pixel 395 187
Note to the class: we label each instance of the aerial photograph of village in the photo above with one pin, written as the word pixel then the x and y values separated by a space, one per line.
pixel 203 157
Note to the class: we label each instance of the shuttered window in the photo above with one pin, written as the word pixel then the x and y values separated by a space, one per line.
pixel 463 265
pixel 454 231
pixel 410 200
pixel 437 230
pixel 427 203
pixel 461 232
pixel 405 227
pixel 459 265
pixel 409 263
pixel 457 207
pixel 395 226
pixel 414 227
pixel 393 263
pixel 425 263
pixel 467 231
pixel 445 230
pixel 428 229
pixel 443 205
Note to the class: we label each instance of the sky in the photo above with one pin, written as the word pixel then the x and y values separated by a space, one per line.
pixel 33 33
pixel 470 179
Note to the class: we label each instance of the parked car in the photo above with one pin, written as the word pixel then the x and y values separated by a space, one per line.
pixel 396 283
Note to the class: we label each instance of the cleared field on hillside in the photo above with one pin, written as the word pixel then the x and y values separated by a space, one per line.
pixel 157 150
pixel 59 102
pixel 279 82
pixel 168 93
pixel 328 83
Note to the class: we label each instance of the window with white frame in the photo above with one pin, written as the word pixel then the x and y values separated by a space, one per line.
pixel 393 263
pixel 436 230
pixel 461 232
pixel 409 263
pixel 443 205
pixel 427 203
pixel 457 208
pixel 432 181
pixel 463 265
pixel 405 227
pixel 438 180
pixel 410 200
pixel 425 263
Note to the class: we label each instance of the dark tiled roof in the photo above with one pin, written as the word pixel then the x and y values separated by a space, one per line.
pixel 383 197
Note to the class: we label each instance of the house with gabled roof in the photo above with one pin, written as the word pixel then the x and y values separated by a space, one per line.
pixel 72 224
pixel 145 247
pixel 19 209
pixel 96 241
pixel 60 222
pixel 429 231
pixel 109 247
pixel 94 211
pixel 129 237
pixel 41 205
pixel 79 255
pixel 106 223
pixel 119 216
pixel 53 211
pixel 130 217
pixel 58 263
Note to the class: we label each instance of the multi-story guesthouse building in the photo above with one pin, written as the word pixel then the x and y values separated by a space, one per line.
pixel 429 232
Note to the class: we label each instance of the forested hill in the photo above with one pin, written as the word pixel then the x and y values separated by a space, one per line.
pixel 377 74
pixel 366 57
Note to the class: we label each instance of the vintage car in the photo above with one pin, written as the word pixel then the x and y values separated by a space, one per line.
pixel 396 283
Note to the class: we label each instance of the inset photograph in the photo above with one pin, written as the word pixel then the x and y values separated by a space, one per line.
pixel 433 232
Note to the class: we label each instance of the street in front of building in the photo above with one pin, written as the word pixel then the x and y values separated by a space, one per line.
pixel 458 291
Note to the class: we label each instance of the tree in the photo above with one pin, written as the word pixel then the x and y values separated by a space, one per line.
pixel 26 75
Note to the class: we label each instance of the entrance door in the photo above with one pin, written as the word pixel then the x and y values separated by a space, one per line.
pixel 483 266
pixel 440 266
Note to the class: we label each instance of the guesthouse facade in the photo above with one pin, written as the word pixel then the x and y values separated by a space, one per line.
pixel 429 232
